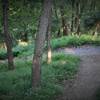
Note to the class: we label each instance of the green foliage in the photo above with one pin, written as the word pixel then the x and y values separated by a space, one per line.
pixel 75 41
pixel 98 94
pixel 24 50
pixel 91 21
pixel 3 54
pixel 70 41
pixel 16 85
pixel 18 51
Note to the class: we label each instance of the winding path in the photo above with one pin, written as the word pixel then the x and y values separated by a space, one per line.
pixel 87 80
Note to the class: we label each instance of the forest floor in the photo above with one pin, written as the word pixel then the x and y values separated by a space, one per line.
pixel 87 81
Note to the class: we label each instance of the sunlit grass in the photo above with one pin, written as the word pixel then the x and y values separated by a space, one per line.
pixel 22 43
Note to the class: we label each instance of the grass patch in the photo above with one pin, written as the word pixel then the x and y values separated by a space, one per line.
pixel 75 41
pixel 16 85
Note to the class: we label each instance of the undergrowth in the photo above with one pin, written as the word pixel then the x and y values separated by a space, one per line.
pixel 75 41
pixel 65 41
pixel 16 85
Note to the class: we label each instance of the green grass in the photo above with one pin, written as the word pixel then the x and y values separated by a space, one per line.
pixel 16 85
pixel 69 41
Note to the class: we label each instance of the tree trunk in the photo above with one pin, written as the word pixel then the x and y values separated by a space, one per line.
pixel 97 29
pixel 64 25
pixel 39 43
pixel 49 53
pixel 77 19
pixel 93 5
pixel 7 36
pixel 72 22
pixel 78 26
pixel 57 18
pixel 59 33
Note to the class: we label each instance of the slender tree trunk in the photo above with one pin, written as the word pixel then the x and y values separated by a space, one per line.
pixel 49 53
pixel 72 22
pixel 7 36
pixel 97 29
pixel 59 33
pixel 78 27
pixel 55 9
pixel 39 43
pixel 93 5
pixel 77 19
pixel 64 25
pixel 57 18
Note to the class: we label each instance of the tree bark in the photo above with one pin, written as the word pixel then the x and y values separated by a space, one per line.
pixel 97 29
pixel 57 18
pixel 72 22
pixel 64 25
pixel 39 43
pixel 49 53
pixel 8 40
pixel 59 33
pixel 77 19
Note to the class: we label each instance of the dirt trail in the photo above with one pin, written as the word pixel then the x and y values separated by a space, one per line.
pixel 87 80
